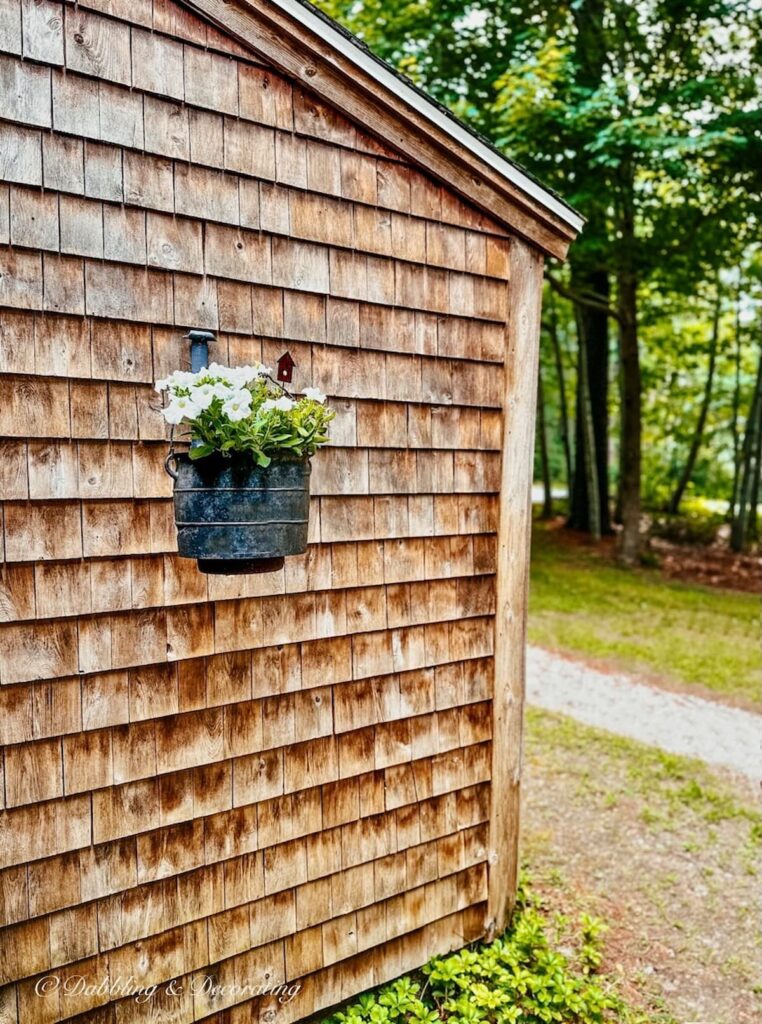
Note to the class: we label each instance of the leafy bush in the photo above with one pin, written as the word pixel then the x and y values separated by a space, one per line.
pixel 242 409
pixel 696 523
pixel 519 978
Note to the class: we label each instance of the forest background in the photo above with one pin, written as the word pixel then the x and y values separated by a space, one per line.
pixel 645 116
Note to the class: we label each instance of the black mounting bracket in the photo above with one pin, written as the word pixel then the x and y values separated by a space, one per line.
pixel 199 348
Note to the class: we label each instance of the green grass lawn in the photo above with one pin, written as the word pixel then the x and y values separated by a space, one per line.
pixel 582 603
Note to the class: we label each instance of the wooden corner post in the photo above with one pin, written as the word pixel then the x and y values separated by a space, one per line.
pixel 513 541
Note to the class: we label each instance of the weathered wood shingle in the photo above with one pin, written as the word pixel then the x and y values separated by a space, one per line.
pixel 286 773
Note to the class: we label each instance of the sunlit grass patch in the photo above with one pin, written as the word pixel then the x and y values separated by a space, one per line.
pixel 667 782
pixel 582 603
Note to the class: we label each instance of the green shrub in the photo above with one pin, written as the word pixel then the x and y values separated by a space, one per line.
pixel 696 523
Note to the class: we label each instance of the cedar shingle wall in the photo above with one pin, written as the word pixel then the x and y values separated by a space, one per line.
pixel 281 776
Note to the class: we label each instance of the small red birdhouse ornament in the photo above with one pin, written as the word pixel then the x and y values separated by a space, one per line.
pixel 286 368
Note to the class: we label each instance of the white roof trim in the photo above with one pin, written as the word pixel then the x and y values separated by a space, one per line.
pixel 414 99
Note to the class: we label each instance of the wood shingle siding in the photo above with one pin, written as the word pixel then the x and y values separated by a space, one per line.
pixel 261 779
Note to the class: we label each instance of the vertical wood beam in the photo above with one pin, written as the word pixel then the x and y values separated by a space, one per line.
pixel 513 542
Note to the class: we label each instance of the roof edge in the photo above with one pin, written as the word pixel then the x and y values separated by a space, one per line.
pixel 328 62
pixel 361 55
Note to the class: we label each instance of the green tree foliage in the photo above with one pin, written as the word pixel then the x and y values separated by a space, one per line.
pixel 647 117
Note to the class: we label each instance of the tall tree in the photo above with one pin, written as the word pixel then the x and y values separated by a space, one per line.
pixel 586 475
pixel 552 330
pixel 744 512
pixel 542 440
pixel 698 434
pixel 736 403
pixel 589 507
pixel 644 115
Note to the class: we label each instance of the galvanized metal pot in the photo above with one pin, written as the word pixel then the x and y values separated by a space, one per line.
pixel 236 517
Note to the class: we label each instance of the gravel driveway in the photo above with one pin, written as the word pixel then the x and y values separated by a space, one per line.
pixel 680 724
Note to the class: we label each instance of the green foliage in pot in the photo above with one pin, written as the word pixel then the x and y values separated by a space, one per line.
pixel 243 410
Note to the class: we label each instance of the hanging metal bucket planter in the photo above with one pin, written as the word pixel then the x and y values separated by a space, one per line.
pixel 236 517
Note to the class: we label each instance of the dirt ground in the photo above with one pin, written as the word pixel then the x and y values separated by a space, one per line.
pixel 663 849
pixel 713 566
pixel 709 565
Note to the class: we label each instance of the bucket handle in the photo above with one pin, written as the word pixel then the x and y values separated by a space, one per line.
pixel 169 463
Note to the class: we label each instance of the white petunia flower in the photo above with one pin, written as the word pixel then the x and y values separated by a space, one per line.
pixel 183 379
pixel 258 370
pixel 282 404
pixel 162 385
pixel 203 395
pixel 315 394
pixel 245 374
pixel 238 406
pixel 179 409
pixel 222 390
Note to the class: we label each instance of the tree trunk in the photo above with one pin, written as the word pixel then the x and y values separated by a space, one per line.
pixel 586 443
pixel 591 276
pixel 698 435
pixel 542 437
pixel 735 432
pixel 629 364
pixel 564 408
pixel 591 446
pixel 740 523
pixel 752 523
pixel 630 439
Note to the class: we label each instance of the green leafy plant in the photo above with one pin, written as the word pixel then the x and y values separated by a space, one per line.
pixel 591 954
pixel 520 978
pixel 243 410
